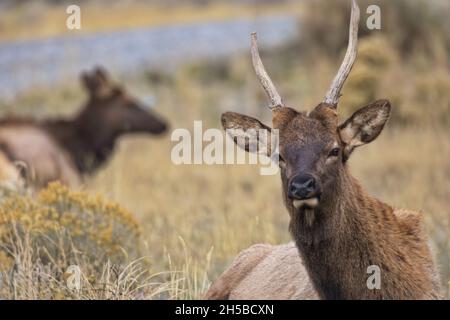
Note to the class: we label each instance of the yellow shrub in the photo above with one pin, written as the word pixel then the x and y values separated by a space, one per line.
pixel 65 226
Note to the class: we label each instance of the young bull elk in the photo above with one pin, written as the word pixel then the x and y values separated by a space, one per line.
pixel 67 149
pixel 338 228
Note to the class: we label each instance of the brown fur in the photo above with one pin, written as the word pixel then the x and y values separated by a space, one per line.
pixel 43 160
pixel 269 272
pixel 66 149
pixel 348 230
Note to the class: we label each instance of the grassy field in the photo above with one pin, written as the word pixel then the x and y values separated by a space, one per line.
pixel 194 219
pixel 228 208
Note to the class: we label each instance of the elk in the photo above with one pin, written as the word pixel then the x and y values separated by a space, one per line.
pixel 67 149
pixel 339 230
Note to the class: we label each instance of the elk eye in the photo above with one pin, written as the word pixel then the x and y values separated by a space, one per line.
pixel 334 152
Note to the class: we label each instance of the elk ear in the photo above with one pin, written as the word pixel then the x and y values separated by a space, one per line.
pixel 87 80
pixel 101 74
pixel 247 132
pixel 96 82
pixel 364 125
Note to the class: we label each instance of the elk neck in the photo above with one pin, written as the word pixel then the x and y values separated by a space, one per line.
pixel 343 207
pixel 87 142
pixel 348 232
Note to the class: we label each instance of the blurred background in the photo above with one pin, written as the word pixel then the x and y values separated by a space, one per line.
pixel 191 60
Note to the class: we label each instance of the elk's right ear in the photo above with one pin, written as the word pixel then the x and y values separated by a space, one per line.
pixel 248 133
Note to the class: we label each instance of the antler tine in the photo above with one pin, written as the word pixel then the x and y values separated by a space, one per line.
pixel 275 99
pixel 333 94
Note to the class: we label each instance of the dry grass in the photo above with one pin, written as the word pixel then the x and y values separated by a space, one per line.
pixel 64 244
pixel 195 219
pixel 228 208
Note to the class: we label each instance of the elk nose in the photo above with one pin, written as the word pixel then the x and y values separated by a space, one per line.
pixel 302 187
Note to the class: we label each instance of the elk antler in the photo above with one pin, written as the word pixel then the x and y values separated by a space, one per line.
pixel 275 99
pixel 333 94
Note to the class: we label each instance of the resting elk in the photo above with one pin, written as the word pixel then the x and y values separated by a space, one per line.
pixel 339 230
pixel 68 149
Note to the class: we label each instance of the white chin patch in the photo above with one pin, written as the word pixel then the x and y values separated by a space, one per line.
pixel 310 203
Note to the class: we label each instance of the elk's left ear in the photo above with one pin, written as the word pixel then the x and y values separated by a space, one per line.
pixel 364 125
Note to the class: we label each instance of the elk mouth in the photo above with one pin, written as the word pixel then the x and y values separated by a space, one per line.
pixel 310 203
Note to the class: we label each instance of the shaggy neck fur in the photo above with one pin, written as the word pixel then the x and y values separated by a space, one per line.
pixel 88 147
pixel 350 231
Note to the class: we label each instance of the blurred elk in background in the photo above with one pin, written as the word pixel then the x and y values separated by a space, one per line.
pixel 338 228
pixel 66 149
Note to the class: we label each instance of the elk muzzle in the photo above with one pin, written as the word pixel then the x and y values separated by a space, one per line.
pixel 304 190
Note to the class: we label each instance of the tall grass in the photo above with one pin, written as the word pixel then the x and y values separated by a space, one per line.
pixel 219 210
pixel 193 220
pixel 45 241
